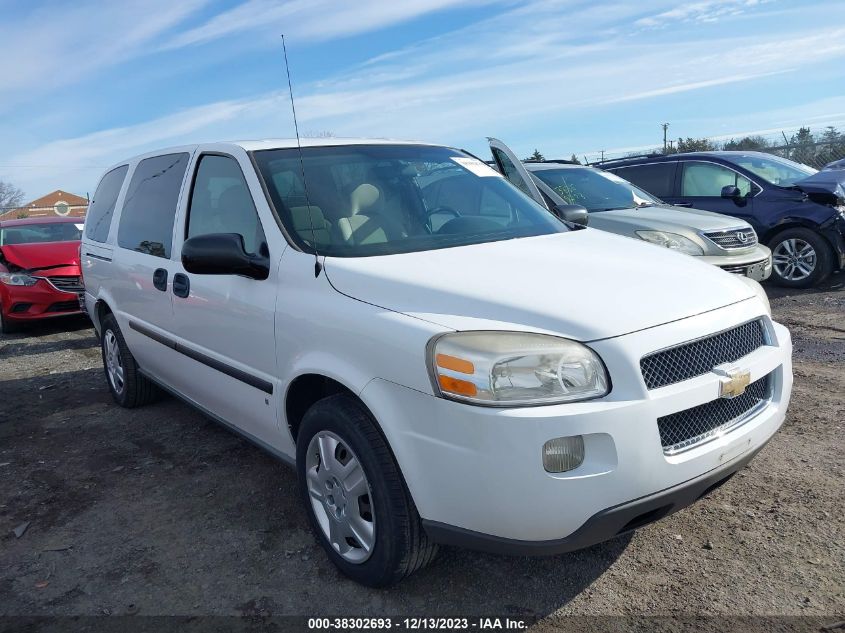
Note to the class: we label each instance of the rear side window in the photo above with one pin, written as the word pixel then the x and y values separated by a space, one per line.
pixel 658 178
pixel 221 203
pixel 146 223
pixel 101 209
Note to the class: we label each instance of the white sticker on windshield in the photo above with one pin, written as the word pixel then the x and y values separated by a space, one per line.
pixel 476 166
pixel 79 226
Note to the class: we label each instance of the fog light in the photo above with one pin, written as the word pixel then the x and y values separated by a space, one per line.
pixel 563 453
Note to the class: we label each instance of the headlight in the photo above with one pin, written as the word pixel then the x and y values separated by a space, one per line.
pixel 672 240
pixel 760 292
pixel 17 279
pixel 514 369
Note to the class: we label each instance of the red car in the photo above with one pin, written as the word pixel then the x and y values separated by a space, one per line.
pixel 39 269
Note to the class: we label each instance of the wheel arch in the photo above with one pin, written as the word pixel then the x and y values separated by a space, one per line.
pixel 101 310
pixel 305 390
pixel 787 224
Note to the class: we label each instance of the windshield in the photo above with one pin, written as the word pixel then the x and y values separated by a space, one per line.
pixel 595 190
pixel 36 233
pixel 385 199
pixel 773 169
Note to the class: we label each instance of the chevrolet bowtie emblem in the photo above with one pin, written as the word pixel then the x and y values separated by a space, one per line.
pixel 732 382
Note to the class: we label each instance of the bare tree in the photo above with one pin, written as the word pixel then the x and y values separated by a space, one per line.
pixel 10 196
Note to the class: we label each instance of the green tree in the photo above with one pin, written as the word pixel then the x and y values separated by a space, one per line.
pixel 753 143
pixel 536 157
pixel 833 145
pixel 574 159
pixel 803 148
pixel 690 144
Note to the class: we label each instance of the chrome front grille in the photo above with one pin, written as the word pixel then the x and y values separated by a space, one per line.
pixel 66 284
pixel 733 238
pixel 698 357
pixel 691 427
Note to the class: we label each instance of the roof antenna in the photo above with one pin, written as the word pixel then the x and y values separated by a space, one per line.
pixel 317 266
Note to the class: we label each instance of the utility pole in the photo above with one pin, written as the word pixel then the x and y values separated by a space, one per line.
pixel 602 156
pixel 665 127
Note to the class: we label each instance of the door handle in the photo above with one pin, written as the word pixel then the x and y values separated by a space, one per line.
pixel 687 205
pixel 181 285
pixel 160 279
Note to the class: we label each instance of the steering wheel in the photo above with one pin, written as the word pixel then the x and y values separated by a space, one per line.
pixel 442 209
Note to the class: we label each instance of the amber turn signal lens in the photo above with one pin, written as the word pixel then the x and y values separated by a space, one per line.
pixel 456 385
pixel 455 364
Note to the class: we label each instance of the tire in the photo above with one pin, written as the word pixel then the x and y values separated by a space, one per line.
pixel 133 389
pixel 7 326
pixel 399 545
pixel 801 258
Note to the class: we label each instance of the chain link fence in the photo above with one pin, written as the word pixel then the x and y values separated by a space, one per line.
pixel 816 148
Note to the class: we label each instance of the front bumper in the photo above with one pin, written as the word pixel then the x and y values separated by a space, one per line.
pixel 603 525
pixel 756 265
pixel 478 470
pixel 836 236
pixel 40 301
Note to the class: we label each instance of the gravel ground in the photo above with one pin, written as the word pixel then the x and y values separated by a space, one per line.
pixel 160 511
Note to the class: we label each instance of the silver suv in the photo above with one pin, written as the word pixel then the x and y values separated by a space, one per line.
pixel 613 204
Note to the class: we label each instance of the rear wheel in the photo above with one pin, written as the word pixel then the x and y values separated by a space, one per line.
pixel 355 497
pixel 128 386
pixel 801 258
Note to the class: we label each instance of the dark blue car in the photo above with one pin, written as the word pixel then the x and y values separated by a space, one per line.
pixel 797 211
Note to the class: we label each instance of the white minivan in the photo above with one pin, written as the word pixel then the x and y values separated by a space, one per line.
pixel 506 381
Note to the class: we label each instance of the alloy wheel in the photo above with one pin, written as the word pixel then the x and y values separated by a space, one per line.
pixel 114 363
pixel 794 259
pixel 340 496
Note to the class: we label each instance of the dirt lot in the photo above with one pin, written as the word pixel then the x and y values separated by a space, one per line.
pixel 161 511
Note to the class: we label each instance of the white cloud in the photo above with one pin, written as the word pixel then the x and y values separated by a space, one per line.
pixel 313 20
pixel 704 11
pixel 57 45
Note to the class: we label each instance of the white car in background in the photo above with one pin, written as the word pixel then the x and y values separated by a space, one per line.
pixel 504 381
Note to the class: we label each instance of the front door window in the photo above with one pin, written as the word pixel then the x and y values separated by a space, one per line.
pixel 706 180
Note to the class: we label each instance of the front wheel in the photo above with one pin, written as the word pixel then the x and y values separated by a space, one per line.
pixel 801 258
pixel 6 326
pixel 355 497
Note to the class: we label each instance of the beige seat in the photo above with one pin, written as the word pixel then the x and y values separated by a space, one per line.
pixel 310 224
pixel 364 225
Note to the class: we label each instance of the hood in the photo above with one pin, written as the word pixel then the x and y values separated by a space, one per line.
pixel 62 255
pixel 831 181
pixel 669 218
pixel 584 284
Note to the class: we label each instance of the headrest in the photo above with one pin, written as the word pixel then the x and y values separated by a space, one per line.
pixel 303 217
pixel 363 197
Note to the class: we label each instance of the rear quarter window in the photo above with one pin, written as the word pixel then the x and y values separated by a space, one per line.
pixel 146 222
pixel 101 209
pixel 657 178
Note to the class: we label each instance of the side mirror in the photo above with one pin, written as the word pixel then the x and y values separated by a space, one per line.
pixel 731 191
pixel 223 254
pixel 574 213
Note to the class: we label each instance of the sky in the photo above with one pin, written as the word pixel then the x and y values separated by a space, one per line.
pixel 85 84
